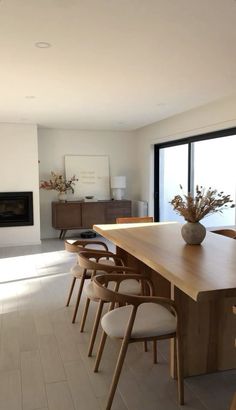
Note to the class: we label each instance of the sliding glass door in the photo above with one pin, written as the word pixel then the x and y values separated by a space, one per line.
pixel 207 161
pixel 173 171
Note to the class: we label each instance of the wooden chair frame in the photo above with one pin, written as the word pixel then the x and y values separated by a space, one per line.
pixel 134 219
pixel 87 262
pixel 76 247
pixel 105 294
pixel 231 233
pixel 80 244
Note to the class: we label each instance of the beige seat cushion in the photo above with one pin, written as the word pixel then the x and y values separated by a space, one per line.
pixel 88 290
pixel 151 320
pixel 77 271
pixel 129 286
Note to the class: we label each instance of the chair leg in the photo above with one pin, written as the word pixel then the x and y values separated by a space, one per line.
pixel 95 327
pixel 100 351
pixel 179 357
pixel 117 372
pixel 71 291
pixel 154 351
pixel 121 358
pixel 78 298
pixel 84 314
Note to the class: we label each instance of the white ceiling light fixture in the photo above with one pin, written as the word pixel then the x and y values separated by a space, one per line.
pixel 42 44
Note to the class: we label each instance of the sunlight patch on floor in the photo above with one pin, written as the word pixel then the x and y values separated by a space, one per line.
pixel 32 266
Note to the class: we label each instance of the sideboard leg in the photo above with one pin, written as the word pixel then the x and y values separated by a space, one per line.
pixel 64 233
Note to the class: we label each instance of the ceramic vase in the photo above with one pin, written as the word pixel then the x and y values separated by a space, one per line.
pixel 193 233
pixel 62 196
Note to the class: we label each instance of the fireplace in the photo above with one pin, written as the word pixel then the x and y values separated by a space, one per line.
pixel 16 209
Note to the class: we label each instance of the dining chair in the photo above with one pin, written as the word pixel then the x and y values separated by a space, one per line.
pixel 78 273
pixel 140 219
pixel 88 263
pixel 139 318
pixel 134 219
pixel 231 233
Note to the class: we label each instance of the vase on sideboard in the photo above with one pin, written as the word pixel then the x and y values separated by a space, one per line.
pixel 62 196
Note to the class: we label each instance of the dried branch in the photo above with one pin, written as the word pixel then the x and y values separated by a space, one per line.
pixel 205 203
pixel 59 183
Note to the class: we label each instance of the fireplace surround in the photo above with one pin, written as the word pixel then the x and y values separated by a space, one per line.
pixel 16 209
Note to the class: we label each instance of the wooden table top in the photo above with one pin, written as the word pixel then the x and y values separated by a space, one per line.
pixel 195 269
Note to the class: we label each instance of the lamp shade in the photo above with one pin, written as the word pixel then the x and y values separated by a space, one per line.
pixel 118 182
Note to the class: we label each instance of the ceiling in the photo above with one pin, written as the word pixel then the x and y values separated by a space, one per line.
pixel 113 64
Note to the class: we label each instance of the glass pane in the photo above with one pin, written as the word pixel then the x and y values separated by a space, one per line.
pixel 173 172
pixel 214 166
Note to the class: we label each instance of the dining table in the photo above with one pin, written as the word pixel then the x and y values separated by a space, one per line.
pixel 201 279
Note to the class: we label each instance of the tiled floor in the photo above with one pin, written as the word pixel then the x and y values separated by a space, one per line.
pixel 43 357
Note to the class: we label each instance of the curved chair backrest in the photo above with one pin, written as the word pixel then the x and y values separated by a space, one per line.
pixel 134 219
pixel 90 261
pixel 80 245
pixel 100 284
pixel 231 233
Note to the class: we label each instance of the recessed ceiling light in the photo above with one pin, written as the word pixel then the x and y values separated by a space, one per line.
pixel 30 97
pixel 42 44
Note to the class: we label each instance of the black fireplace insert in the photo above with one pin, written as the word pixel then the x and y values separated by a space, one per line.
pixel 16 209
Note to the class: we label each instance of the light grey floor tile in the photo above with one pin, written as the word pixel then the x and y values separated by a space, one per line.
pixel 10 390
pixel 9 348
pixel 59 396
pixel 51 360
pixel 42 322
pixel 66 342
pixel 33 387
pixel 80 386
pixel 28 338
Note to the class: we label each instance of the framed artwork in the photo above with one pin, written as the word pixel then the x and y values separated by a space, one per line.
pixel 93 174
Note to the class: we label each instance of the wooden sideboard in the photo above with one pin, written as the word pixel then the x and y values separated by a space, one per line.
pixel 82 214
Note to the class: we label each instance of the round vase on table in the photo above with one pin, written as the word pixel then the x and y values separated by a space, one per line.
pixel 62 196
pixel 193 233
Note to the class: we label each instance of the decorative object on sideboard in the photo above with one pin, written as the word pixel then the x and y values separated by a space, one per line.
pixel 118 185
pixel 60 184
pixel 194 208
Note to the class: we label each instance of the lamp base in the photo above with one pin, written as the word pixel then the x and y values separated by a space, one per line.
pixel 118 194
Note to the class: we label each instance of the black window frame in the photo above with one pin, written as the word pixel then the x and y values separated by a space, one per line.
pixel 187 140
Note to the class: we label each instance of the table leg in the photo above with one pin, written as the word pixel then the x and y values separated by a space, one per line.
pixel 207 333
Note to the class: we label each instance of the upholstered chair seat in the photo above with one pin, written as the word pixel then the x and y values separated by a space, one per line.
pixel 151 320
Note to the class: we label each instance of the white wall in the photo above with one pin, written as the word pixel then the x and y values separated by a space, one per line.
pixel 54 144
pixel 211 117
pixel 19 172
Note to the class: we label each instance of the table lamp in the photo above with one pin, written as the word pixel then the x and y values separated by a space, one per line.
pixel 118 184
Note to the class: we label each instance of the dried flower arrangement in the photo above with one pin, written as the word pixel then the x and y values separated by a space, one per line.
pixel 59 183
pixel 205 203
